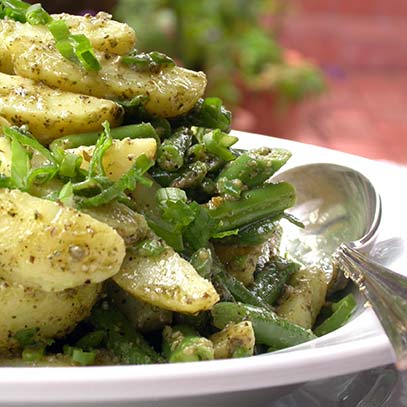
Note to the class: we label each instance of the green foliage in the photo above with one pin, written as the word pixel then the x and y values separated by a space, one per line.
pixel 225 40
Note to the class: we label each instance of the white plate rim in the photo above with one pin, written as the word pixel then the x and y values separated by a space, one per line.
pixel 321 359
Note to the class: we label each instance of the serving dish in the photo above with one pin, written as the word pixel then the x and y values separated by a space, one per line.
pixel 359 345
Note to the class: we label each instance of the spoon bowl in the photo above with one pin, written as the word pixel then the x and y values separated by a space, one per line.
pixel 341 212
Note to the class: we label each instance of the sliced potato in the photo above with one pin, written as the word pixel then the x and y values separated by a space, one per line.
pixel 120 156
pixel 53 314
pixel 171 92
pixel 131 226
pixel 51 113
pixel 145 317
pixel 235 340
pixel 105 34
pixel 240 261
pixel 48 246
pixel 304 297
pixel 6 62
pixel 166 281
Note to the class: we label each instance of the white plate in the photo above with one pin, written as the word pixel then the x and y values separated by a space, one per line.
pixel 360 345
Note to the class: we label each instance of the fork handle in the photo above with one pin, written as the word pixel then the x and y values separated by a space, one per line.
pixel 386 292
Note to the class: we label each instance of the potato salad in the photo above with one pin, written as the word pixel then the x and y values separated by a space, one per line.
pixel 133 231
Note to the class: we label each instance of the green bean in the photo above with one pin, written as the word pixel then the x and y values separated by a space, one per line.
pixel 255 233
pixel 253 167
pixel 239 291
pixel 171 153
pixel 202 262
pixel 198 152
pixel 256 204
pixel 133 131
pixel 269 329
pixel 189 176
pixel 122 339
pixel 181 343
pixel 342 310
pixel 271 278
pixel 200 321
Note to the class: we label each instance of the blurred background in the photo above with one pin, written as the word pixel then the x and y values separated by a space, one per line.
pixel 326 72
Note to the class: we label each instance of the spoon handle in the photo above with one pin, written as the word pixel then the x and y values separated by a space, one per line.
pixel 386 292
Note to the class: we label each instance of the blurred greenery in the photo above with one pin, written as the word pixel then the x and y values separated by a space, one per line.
pixel 226 40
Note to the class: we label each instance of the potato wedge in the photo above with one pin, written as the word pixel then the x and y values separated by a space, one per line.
pixel 166 281
pixel 51 113
pixel 235 340
pixel 131 226
pixel 6 62
pixel 304 297
pixel 120 156
pixel 171 92
pixel 53 314
pixel 105 34
pixel 47 246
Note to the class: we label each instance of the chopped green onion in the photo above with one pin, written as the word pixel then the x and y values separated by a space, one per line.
pixel 36 15
pixel 102 145
pixel 25 138
pixel 66 194
pixel 83 358
pixel 73 47
pixel 218 143
pixel 69 165
pixel 126 182
pixel 65 48
pixel 84 52
pixel 25 337
pixel 150 248
pixel 41 175
pixel 170 194
pixel 14 9
pixel 33 353
pixel 59 30
pixel 20 164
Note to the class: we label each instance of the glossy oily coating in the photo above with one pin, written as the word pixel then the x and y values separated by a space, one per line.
pixel 54 247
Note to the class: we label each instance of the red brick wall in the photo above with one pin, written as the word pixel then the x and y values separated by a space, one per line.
pixel 356 7
pixel 361 34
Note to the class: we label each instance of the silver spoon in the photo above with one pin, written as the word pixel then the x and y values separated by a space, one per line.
pixel 341 211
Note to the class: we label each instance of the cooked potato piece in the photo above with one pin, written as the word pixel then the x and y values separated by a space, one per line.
pixel 120 156
pixel 54 314
pixel 52 113
pixel 304 297
pixel 143 316
pixel 235 340
pixel 131 226
pixel 240 261
pixel 105 34
pixel 171 92
pixel 48 246
pixel 166 281
pixel 6 62
pixel 5 156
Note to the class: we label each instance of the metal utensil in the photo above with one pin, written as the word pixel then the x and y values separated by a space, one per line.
pixel 341 211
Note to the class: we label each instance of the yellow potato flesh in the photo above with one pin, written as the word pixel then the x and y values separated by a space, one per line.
pixel 51 113
pixel 48 246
